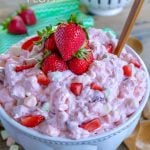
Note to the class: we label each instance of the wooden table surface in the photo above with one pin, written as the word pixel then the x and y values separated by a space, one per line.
pixel 141 30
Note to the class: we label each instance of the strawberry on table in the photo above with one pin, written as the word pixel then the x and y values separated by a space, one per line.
pixel 127 69
pixel 32 121
pixel 91 125
pixel 69 37
pixel 28 15
pixel 76 88
pixel 43 79
pixel 28 45
pixel 53 63
pixel 15 25
pixel 95 86
pixel 23 67
pixel 81 62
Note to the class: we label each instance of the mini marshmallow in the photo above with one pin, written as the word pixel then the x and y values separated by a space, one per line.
pixel 4 135
pixel 10 141
pixel 14 147
pixel 18 92
pixel 30 101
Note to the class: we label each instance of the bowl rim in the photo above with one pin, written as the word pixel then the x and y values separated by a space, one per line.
pixel 39 136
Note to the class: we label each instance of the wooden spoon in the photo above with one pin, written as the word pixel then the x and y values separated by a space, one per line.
pixel 137 5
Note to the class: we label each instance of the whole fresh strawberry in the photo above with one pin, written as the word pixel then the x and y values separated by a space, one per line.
pixel 69 38
pixel 81 62
pixel 15 25
pixel 53 63
pixel 27 14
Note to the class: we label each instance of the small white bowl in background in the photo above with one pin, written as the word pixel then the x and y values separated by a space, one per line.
pixel 105 7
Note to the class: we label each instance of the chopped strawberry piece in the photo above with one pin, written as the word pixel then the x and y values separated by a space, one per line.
pixel 23 67
pixel 32 121
pixel 91 125
pixel 94 86
pixel 127 70
pixel 76 88
pixel 135 63
pixel 109 48
pixel 28 45
pixel 43 79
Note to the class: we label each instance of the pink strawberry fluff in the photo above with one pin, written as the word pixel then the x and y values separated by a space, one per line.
pixel 22 95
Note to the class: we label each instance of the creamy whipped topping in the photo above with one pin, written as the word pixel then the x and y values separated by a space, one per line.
pixel 22 95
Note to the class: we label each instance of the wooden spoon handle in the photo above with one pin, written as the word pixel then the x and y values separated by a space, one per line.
pixel 137 5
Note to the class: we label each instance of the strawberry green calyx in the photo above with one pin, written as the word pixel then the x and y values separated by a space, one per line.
pixel 22 8
pixel 82 54
pixel 73 18
pixel 6 22
pixel 44 34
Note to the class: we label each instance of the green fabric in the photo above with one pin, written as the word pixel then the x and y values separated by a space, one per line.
pixel 47 13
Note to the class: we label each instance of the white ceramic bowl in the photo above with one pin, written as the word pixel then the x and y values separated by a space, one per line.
pixel 105 7
pixel 32 140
